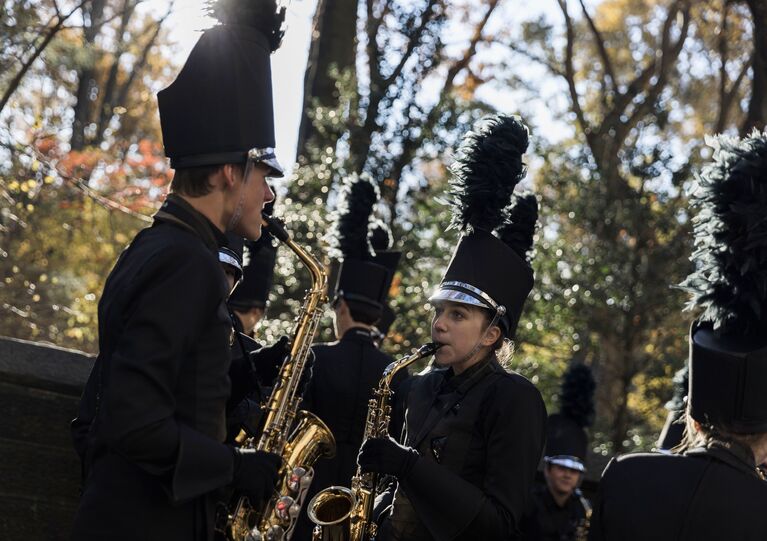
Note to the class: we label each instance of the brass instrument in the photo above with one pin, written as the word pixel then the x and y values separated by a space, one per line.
pixel 582 529
pixel 309 439
pixel 343 514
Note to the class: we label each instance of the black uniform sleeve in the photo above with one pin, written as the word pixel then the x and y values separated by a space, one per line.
pixel 451 507
pixel 175 300
pixel 596 528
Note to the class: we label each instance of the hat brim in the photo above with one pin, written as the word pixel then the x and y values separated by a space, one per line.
pixel 268 158
pixel 569 462
pixel 452 295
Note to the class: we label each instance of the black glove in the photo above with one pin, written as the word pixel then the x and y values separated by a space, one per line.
pixel 255 473
pixel 385 455
pixel 266 362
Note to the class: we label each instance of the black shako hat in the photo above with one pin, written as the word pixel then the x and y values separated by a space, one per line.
pixel 360 277
pixel 728 342
pixel 219 109
pixel 673 430
pixel 491 270
pixel 258 261
pixel 566 438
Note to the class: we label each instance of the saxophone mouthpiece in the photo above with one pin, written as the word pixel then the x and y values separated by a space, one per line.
pixel 428 349
pixel 275 227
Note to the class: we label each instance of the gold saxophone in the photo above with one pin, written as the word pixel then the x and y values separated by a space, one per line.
pixel 343 514
pixel 309 439
pixel 582 528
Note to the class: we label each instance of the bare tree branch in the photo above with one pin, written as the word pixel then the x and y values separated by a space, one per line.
pixel 413 41
pixel 570 72
pixel 609 74
pixel 53 29
pixel 553 68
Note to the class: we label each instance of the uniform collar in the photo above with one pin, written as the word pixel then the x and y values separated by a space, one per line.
pixel 358 334
pixel 177 210
pixel 453 381
pixel 732 453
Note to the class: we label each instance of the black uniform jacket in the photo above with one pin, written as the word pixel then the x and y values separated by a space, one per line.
pixel 480 436
pixel 152 417
pixel 707 494
pixel 343 377
pixel 545 520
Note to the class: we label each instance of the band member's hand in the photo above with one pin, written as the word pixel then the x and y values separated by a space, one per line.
pixel 385 455
pixel 267 361
pixel 255 472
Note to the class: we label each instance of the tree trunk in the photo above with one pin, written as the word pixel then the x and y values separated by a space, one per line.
pixel 756 116
pixel 333 44
pixel 87 86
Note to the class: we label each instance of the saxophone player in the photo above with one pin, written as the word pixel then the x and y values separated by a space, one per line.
pixel 711 487
pixel 346 371
pixel 150 425
pixel 474 431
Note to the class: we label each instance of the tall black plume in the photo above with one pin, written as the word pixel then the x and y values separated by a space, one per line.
pixel 518 227
pixel 348 236
pixel 263 15
pixel 576 397
pixel 730 279
pixel 488 166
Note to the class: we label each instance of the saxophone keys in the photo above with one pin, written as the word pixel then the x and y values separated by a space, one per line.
pixel 254 535
pixel 294 483
pixel 275 533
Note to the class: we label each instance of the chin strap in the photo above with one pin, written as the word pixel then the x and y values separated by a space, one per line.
pixel 237 214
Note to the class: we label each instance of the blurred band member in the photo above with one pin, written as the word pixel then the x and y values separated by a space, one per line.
pixel 713 489
pixel 558 510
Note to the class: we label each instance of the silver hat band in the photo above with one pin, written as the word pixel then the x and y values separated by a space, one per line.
pixel 466 294
pixel 566 461
pixel 267 156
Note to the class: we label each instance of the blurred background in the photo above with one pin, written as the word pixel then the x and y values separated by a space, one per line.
pixel 618 94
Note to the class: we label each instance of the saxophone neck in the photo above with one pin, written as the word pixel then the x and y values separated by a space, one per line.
pixel 424 351
pixel 276 228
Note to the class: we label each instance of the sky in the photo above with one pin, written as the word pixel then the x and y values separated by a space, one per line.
pixel 289 63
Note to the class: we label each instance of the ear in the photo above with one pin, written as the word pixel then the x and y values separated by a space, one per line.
pixel 491 336
pixel 229 175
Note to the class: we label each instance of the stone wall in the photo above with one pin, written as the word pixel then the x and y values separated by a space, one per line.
pixel 39 471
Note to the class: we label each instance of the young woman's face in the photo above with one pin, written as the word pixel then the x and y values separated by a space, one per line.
pixel 458 327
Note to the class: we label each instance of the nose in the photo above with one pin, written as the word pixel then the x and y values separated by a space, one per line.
pixel 268 193
pixel 438 324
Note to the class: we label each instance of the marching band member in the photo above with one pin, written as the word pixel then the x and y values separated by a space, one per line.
pixel 474 430
pixel 558 511
pixel 713 489
pixel 151 422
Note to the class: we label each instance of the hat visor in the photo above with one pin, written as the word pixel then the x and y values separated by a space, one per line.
pixel 569 462
pixel 461 297
pixel 268 158
pixel 276 169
